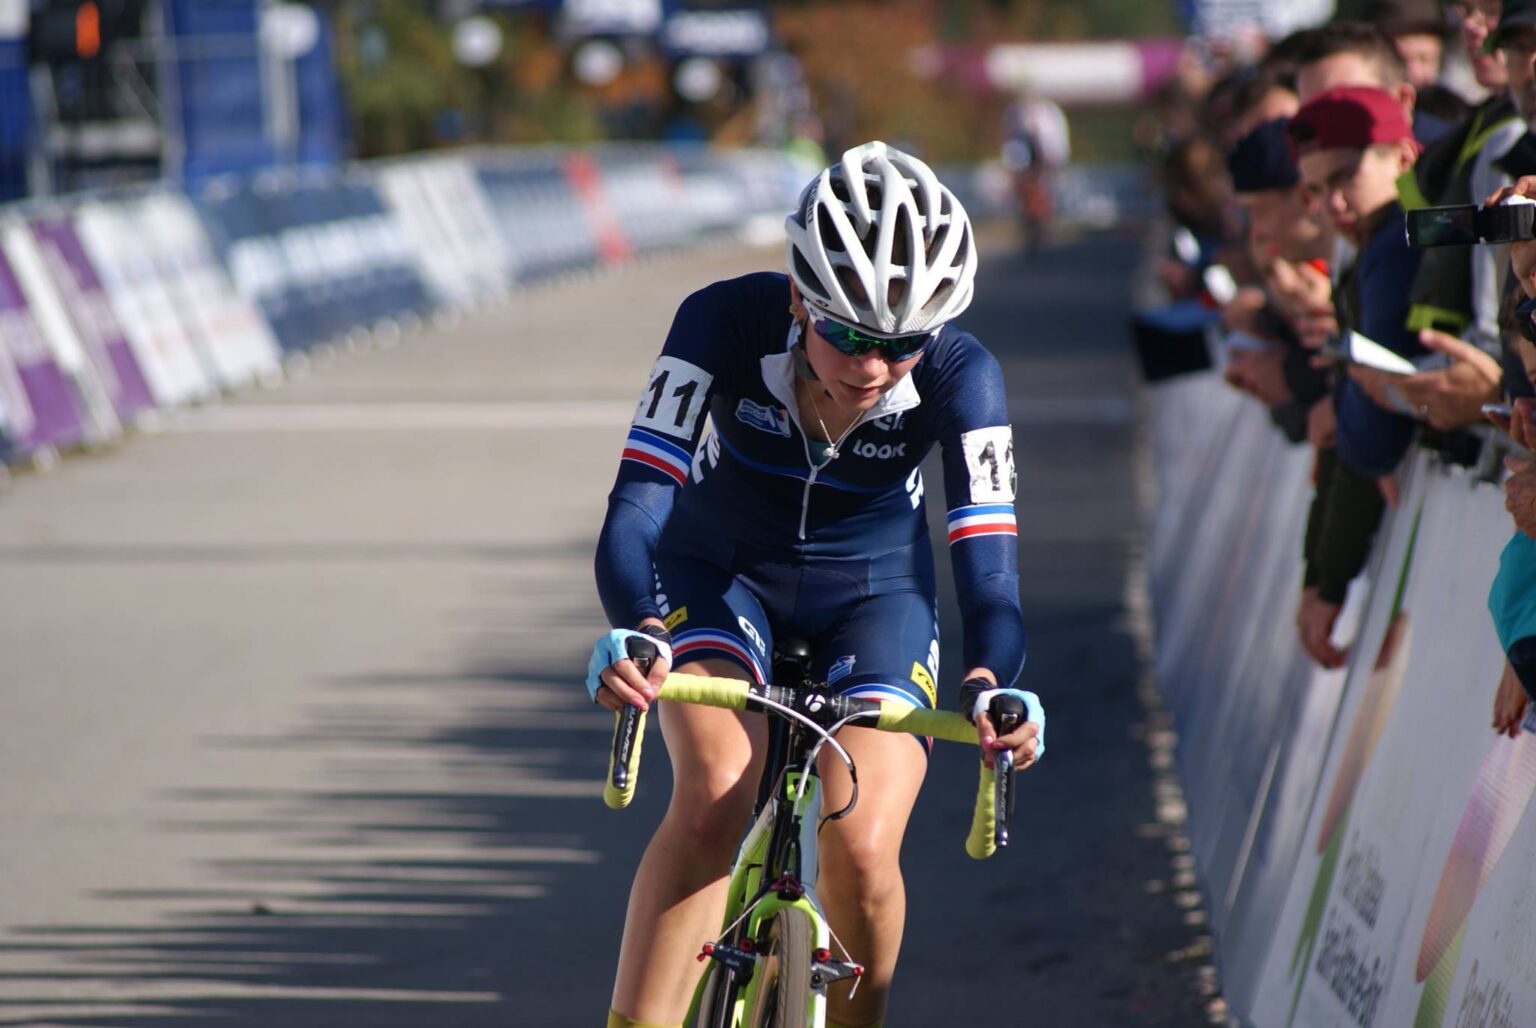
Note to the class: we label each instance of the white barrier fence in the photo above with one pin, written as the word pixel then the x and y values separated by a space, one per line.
pixel 116 305
pixel 1364 839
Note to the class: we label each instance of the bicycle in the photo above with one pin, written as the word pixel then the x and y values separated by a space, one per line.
pixel 772 962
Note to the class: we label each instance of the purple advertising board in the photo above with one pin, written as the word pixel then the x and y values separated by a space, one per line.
pixel 91 312
pixel 57 419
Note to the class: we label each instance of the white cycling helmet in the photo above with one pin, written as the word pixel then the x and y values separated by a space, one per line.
pixel 879 243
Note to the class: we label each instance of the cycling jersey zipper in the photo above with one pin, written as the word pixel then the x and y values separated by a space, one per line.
pixel 832 454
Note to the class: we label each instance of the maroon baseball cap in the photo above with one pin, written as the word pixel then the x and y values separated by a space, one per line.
pixel 1348 116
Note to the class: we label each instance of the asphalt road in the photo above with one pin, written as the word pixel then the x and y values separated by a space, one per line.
pixel 293 732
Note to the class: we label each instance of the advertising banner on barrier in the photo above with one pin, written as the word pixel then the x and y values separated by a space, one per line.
pixel 52 415
pixel 439 205
pixel 1382 873
pixel 90 312
pixel 1426 762
pixel 235 341
pixel 1494 982
pixel 540 220
pixel 317 252
pixel 94 383
pixel 165 354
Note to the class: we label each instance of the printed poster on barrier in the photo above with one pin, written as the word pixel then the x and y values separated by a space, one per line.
pixel 145 313
pixel 1485 800
pixel 236 344
pixel 1401 809
pixel 1495 980
pixel 55 416
pixel 1370 692
pixel 89 310
pixel 85 376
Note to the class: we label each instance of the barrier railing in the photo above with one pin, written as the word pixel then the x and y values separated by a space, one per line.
pixel 115 305
pixel 1363 838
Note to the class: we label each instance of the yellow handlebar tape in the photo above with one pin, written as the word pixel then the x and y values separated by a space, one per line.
pixel 982 842
pixel 730 693
pixel 941 724
pixel 618 799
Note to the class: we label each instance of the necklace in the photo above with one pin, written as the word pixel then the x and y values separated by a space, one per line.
pixel 815 407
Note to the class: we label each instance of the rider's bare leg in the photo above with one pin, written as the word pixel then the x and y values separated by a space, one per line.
pixel 678 895
pixel 860 883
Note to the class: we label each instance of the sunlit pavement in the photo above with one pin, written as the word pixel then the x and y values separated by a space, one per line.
pixel 294 732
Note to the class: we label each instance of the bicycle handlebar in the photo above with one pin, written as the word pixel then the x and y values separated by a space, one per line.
pixel 734 694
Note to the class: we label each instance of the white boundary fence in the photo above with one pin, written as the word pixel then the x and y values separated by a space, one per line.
pixel 113 306
pixel 1367 845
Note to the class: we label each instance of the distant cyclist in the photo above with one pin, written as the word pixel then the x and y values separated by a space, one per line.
pixel 1036 145
pixel 801 513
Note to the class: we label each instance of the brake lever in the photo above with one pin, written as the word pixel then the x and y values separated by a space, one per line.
pixel 1006 714
pixel 625 734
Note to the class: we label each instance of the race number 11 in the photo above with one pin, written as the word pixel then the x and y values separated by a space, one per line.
pixel 674 398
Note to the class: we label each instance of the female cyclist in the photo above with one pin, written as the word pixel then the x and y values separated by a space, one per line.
pixel 801 514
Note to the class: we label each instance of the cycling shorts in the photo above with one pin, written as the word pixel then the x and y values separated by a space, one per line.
pixel 872 623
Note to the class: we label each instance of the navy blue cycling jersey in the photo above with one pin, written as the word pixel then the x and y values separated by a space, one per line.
pixel 755 482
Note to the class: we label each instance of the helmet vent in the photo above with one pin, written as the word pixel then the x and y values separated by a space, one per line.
pixel 849 280
pixel 940 297
pixel 829 237
pixel 901 241
pixel 808 280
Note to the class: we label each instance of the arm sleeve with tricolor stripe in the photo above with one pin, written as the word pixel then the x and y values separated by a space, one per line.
pixel 658 451
pixel 979 483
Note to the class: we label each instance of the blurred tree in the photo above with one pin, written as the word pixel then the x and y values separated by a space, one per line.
pixel 407 91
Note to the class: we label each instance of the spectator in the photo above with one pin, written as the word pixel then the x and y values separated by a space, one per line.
pixel 1512 597
pixel 1282 227
pixel 1417 29
pixel 1455 298
pixel 1268 93
pixel 1199 197
pixel 1352 143
pixel 1356 53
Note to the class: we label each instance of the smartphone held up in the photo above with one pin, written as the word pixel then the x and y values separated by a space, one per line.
pixel 1511 221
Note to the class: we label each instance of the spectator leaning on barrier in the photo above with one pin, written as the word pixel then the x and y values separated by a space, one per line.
pixel 1351 144
pixel 1458 289
pixel 1285 231
pixel 1512 598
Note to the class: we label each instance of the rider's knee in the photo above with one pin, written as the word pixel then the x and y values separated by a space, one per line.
pixel 866 863
pixel 711 815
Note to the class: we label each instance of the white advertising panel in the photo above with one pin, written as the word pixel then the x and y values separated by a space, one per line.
pixel 237 342
pixel 166 354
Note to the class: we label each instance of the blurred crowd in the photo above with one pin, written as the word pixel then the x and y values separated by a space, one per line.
pixel 1293 173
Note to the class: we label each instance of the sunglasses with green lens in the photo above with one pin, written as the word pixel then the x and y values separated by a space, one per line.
pixel 856 343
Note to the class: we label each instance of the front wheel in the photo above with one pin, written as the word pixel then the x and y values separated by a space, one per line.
pixel 784 998
pixel 716 1000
